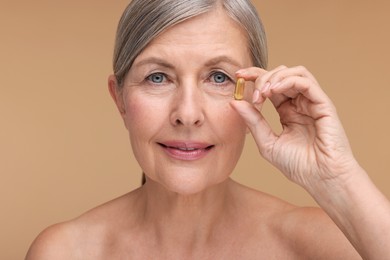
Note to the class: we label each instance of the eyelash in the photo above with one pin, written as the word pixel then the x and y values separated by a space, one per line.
pixel 163 75
pixel 227 80
pixel 210 78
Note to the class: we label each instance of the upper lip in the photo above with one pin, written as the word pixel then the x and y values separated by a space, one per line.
pixel 186 145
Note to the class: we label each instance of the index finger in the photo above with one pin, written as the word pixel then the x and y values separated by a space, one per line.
pixel 251 73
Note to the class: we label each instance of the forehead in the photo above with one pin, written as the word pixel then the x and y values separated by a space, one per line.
pixel 212 31
pixel 215 22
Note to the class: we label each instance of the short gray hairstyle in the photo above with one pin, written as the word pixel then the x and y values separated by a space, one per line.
pixel 143 20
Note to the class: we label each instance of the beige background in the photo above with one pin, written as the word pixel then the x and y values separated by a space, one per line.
pixel 64 150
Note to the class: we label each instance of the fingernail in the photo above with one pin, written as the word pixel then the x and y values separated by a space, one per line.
pixel 256 95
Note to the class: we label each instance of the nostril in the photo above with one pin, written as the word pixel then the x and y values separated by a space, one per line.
pixel 178 122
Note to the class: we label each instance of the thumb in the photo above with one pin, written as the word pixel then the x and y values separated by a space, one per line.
pixel 263 134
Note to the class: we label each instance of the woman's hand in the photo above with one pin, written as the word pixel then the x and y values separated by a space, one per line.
pixel 313 151
pixel 312 147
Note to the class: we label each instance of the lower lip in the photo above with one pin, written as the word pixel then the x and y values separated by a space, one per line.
pixel 186 155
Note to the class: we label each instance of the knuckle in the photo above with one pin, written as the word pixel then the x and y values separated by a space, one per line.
pixel 302 68
pixel 282 67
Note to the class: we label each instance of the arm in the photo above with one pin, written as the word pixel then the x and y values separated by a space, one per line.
pixel 361 211
pixel 313 151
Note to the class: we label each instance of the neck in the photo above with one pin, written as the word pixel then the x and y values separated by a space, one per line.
pixel 191 220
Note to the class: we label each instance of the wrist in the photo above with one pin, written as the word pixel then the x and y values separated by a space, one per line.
pixel 342 184
pixel 359 209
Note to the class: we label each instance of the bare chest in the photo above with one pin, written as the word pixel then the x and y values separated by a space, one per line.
pixel 226 248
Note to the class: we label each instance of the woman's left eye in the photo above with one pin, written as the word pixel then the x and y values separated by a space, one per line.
pixel 219 77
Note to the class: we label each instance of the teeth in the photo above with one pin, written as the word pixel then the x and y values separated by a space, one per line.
pixel 186 149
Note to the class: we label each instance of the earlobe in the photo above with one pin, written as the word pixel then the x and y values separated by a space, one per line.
pixel 116 94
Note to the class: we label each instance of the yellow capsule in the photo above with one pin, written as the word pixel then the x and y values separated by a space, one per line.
pixel 239 90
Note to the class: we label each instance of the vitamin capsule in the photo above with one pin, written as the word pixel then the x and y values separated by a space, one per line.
pixel 239 90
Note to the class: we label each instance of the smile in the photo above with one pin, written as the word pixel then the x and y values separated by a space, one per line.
pixel 186 151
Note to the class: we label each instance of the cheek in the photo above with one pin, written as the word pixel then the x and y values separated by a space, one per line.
pixel 231 130
pixel 229 124
pixel 132 115
pixel 140 113
pixel 143 121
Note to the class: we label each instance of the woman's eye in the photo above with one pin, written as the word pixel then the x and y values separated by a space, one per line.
pixel 219 77
pixel 156 78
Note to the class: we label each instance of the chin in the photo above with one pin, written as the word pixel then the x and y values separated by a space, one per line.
pixel 186 186
pixel 189 183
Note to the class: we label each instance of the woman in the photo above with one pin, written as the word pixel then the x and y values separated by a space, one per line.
pixel 175 68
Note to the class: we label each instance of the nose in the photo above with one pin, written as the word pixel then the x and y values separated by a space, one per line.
pixel 188 106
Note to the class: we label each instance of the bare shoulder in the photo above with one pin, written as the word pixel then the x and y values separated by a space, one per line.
pixel 70 240
pixel 299 232
pixel 53 243
pixel 314 235
pixel 85 237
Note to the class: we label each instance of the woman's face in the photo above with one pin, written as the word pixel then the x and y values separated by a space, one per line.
pixel 175 103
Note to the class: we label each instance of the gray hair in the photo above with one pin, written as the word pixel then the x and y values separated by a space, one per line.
pixel 144 20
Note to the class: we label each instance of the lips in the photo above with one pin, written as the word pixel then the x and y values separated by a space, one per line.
pixel 187 151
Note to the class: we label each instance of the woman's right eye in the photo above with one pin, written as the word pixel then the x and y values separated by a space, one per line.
pixel 157 78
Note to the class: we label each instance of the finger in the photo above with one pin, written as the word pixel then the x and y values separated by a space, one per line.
pixel 306 98
pixel 251 73
pixel 286 79
pixel 280 75
pixel 261 84
pixel 261 131
pixel 254 73
pixel 293 86
pixel 293 71
pixel 279 93
pixel 263 87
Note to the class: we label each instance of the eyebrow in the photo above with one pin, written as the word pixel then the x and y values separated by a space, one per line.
pixel 222 59
pixel 209 63
pixel 154 60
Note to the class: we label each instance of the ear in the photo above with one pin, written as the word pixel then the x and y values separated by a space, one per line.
pixel 116 94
